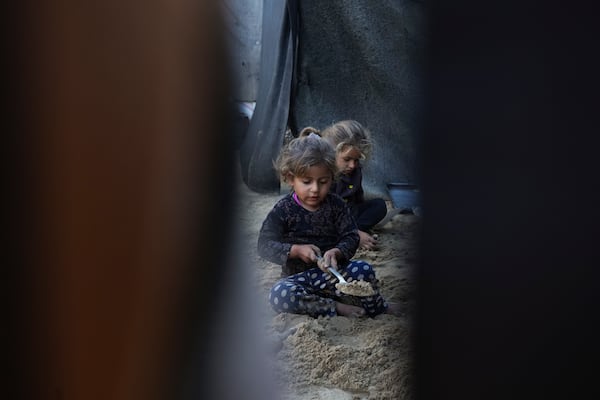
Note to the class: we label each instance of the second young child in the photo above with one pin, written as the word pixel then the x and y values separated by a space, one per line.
pixel 352 143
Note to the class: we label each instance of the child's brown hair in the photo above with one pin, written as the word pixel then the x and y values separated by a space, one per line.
pixel 303 152
pixel 349 133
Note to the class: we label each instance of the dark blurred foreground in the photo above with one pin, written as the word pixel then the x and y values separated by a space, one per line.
pixel 118 162
pixel 509 284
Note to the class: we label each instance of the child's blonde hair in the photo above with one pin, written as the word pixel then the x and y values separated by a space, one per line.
pixel 303 152
pixel 349 133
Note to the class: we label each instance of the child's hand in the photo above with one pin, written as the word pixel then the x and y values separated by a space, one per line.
pixel 367 241
pixel 306 252
pixel 330 259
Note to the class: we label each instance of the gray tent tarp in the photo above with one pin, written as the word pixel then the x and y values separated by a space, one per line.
pixel 322 62
pixel 264 137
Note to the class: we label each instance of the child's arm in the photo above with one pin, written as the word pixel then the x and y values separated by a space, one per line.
pixel 305 252
pixel 270 246
pixel 348 232
pixel 346 246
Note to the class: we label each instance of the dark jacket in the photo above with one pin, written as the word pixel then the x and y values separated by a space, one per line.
pixel 289 223
pixel 349 187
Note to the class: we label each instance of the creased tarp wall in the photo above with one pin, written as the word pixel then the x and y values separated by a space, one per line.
pixel 354 60
pixel 264 137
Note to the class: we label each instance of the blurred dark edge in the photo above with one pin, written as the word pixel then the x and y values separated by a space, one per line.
pixel 12 264
pixel 32 373
pixel 509 279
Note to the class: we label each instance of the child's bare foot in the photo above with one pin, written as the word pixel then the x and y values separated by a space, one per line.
pixel 367 241
pixel 348 310
pixel 394 309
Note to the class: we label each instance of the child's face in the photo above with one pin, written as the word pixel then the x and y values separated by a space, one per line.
pixel 313 186
pixel 347 160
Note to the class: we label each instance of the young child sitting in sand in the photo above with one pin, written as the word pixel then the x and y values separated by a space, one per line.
pixel 352 143
pixel 308 225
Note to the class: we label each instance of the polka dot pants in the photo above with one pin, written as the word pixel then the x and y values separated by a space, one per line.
pixel 313 291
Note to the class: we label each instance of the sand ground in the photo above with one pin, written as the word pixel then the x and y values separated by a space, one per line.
pixel 339 358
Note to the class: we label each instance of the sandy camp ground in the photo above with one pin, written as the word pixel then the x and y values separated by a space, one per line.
pixel 338 358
